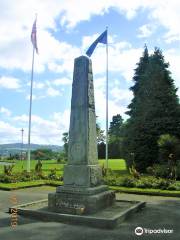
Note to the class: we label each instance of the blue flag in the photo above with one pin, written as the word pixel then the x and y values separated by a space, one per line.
pixel 33 36
pixel 101 39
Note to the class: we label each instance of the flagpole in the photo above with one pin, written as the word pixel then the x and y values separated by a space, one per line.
pixel 107 100
pixel 30 110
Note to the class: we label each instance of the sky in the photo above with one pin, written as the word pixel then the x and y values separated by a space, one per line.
pixel 65 30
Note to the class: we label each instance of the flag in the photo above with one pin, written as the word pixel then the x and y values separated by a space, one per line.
pixel 101 39
pixel 33 36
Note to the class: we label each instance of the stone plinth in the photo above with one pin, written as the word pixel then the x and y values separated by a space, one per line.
pixel 83 187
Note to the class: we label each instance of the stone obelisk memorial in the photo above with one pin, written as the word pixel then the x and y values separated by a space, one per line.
pixel 83 191
pixel 83 198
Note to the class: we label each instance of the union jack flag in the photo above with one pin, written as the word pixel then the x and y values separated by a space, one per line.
pixel 33 36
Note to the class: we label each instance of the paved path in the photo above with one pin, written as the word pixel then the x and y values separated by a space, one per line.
pixel 160 213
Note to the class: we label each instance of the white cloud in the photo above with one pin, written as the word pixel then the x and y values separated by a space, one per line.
pixel 52 92
pixel 173 56
pixel 62 119
pixel 5 111
pixel 44 131
pixel 166 13
pixel 15 28
pixel 9 83
pixel 8 133
pixel 35 97
pixel 62 81
pixel 114 106
pixel 121 95
pixel 146 31
pixel 38 85
pixel 56 55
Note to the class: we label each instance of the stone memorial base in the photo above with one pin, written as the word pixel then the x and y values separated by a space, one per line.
pixel 109 217
pixel 80 200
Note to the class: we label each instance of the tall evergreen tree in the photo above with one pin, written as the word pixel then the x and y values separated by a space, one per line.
pixel 115 137
pixel 154 110
pixel 100 142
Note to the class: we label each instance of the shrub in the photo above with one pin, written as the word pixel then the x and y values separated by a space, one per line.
pixel 169 146
pixel 144 183
pixel 150 170
pixel 8 169
pixel 52 175
pixel 7 179
pixel 178 170
pixel 62 161
pixel 161 170
pixel 110 181
pixel 128 182
pixel 38 167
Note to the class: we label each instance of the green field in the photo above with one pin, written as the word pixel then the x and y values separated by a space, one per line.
pixel 118 165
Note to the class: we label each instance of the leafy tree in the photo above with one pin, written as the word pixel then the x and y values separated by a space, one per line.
pixel 100 141
pixel 115 137
pixel 100 134
pixel 169 148
pixel 65 139
pixel 101 150
pixel 43 154
pixel 115 125
pixel 154 110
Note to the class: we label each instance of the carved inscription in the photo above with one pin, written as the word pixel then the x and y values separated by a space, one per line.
pixel 77 152
pixel 69 204
pixel 95 176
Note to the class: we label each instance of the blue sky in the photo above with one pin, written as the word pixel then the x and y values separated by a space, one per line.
pixel 65 29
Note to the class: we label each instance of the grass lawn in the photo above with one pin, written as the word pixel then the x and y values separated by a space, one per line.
pixel 115 164
pixel 47 165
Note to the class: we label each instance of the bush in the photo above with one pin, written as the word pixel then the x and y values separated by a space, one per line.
pixel 169 145
pixel 61 161
pixel 110 181
pixel 38 167
pixel 8 169
pixel 162 170
pixel 150 170
pixel 178 170
pixel 23 176
pixel 128 182
pixel 142 182
pixel 7 179
pixel 52 175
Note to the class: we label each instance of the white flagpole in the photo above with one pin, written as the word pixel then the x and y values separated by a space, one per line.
pixel 30 110
pixel 107 100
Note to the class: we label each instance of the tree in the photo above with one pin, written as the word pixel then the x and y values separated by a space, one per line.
pixel 154 110
pixel 43 154
pixel 100 134
pixel 169 148
pixel 100 141
pixel 65 139
pixel 115 137
pixel 115 125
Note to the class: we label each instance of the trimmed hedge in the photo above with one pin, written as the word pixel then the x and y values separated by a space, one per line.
pixel 142 182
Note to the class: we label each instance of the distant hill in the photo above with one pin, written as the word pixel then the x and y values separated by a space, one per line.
pixel 13 148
